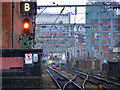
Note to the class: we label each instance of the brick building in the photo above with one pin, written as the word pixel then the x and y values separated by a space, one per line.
pixel 6 25
pixel 104 31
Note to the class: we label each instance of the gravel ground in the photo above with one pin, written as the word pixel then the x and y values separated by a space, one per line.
pixel 47 82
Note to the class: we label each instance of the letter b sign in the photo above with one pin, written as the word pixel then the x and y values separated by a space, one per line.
pixel 26 7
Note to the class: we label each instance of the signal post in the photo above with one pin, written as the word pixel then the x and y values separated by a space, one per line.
pixel 28 10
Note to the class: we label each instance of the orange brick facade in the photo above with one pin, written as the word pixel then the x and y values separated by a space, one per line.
pixel 8 62
pixel 7 25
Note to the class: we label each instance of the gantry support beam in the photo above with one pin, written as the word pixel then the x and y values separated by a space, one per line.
pixel 91 5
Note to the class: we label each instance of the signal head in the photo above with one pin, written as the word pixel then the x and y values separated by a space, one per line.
pixel 26 25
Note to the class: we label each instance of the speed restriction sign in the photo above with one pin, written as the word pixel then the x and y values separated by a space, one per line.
pixel 28 58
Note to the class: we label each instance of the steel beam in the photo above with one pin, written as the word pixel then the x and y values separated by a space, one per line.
pixel 91 5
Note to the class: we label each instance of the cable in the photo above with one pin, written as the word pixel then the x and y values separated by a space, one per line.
pixel 81 19
pixel 90 1
pixel 59 14
pixel 41 12
pixel 58 17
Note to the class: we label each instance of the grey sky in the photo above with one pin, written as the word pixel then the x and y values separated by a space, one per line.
pixel 79 18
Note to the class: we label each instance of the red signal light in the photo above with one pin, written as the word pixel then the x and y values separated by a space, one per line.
pixel 57 68
pixel 26 25
pixel 52 55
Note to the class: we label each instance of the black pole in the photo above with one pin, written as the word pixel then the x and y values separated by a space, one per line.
pixel 34 31
pixel 13 24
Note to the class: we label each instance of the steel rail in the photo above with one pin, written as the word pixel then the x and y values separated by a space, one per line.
pixel 66 84
pixel 59 77
pixel 53 79
pixel 70 81
pixel 106 84
pixel 83 84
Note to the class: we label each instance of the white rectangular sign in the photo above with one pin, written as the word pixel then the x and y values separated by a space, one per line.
pixel 35 57
pixel 28 58
pixel 116 49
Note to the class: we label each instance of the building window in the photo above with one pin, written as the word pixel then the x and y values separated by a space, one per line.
pixel 105 28
pixel 93 41
pixel 97 35
pixel 60 22
pixel 94 21
pixel 101 15
pixel 97 41
pixel 105 21
pixel 115 35
pixel 95 28
pixel 61 28
pixel 114 42
pixel 108 41
pixel 117 21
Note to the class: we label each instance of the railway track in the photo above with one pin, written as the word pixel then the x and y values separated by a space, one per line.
pixel 107 85
pixel 62 81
